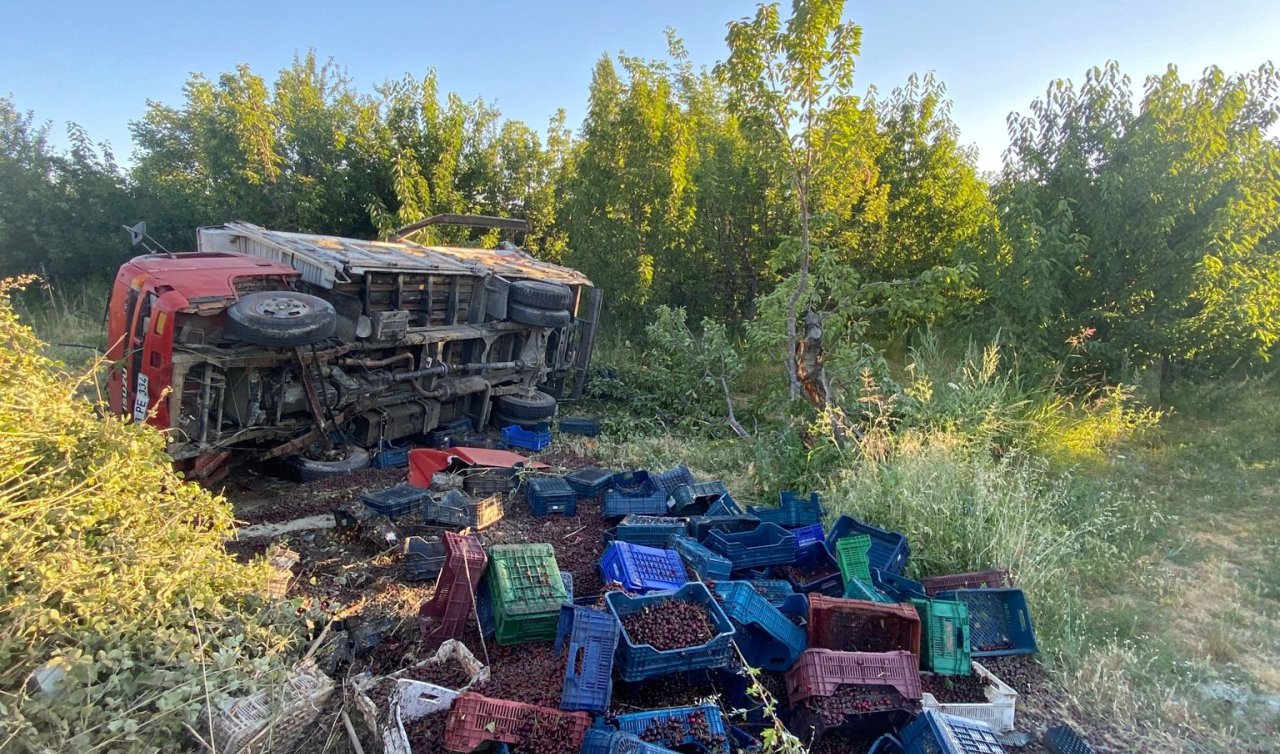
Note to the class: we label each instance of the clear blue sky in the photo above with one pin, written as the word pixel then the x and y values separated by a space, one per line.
pixel 98 64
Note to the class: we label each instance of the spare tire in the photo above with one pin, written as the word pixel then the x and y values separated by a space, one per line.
pixel 537 406
pixel 281 319
pixel 501 421
pixel 540 294
pixel 308 470
pixel 530 315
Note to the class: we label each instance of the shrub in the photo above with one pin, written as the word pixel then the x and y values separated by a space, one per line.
pixel 121 614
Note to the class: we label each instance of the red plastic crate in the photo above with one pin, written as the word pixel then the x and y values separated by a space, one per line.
pixel 996 578
pixel 862 626
pixel 445 615
pixel 475 719
pixel 819 672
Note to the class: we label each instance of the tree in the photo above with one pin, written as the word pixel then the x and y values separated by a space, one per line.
pixel 792 85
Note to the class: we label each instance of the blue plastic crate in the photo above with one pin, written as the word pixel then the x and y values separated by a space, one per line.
pixel 889 549
pixel 637 722
pixel 766 544
pixel 609 741
pixel 1063 739
pixel 389 456
pixel 701 526
pixel 641 661
pixel 653 531
pixel 999 621
pixel 742 742
pixel 590 481
pixel 395 501
pixel 814 570
pixel 527 439
pixel 887 744
pixel 591 639
pixel 796 608
pixel 579 425
pixel 792 511
pixel 774 590
pixel 725 506
pixel 857 589
pixel 640 569
pixel 936 733
pixel 615 503
pixel 671 480
pixel 551 494
pixel 900 588
pixel 766 637
pixel 696 499
pixel 707 564
pixel 807 535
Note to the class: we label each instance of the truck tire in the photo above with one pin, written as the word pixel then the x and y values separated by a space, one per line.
pixel 502 421
pixel 281 319
pixel 308 470
pixel 540 294
pixel 537 406
pixel 530 315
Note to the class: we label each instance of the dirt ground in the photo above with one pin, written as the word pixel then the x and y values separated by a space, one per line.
pixel 348 576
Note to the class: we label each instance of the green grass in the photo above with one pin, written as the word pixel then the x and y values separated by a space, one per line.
pixel 69 321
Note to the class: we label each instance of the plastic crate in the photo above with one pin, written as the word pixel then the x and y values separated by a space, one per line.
pixel 422 558
pixel 579 425
pixel 527 592
pixel 851 555
pixel 641 661
pixel 439 437
pixel 590 639
pixel 999 621
pixel 886 744
pixel 389 456
pixel 669 481
pixel 653 531
pixel 936 733
pixel 996 578
pixel 814 571
pixel 633 492
pixel 280 716
pixel 726 506
pixel 997 711
pixel 696 499
pixel 860 626
pixel 809 535
pixel 445 615
pixel 773 590
pixel 701 526
pixel 818 672
pixel 475 719
pixel 590 481
pixel 766 544
pixel 900 588
pixel 526 439
pixel 1063 739
pixel 889 549
pixel 944 636
pixel 484 603
pixel 397 501
pixel 609 741
pixel 636 723
pixel 483 482
pixel 640 569
pixel 792 511
pixel 857 589
pixel 456 508
pixel 766 637
pixel 704 562
pixel 551 494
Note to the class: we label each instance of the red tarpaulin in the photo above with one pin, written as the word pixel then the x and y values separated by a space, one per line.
pixel 425 463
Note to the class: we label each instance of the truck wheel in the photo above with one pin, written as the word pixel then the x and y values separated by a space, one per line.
pixel 502 421
pixel 281 319
pixel 540 294
pixel 308 470
pixel 529 315
pixel 537 406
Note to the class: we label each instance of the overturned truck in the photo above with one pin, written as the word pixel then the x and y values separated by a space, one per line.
pixel 319 350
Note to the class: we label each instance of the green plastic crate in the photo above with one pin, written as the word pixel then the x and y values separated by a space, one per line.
pixel 944 636
pixel 851 554
pixel 527 592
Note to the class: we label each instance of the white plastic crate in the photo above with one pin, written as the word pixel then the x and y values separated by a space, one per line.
pixel 413 699
pixel 271 719
pixel 996 712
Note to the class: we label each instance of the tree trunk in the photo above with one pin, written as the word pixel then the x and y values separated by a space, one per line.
pixel 802 285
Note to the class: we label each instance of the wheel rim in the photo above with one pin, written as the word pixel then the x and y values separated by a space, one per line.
pixel 281 307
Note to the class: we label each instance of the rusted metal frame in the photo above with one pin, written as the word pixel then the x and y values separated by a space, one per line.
pixel 452 319
pixel 313 400
pixel 472 221
pixel 586 342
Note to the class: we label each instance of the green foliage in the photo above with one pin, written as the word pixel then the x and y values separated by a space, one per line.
pixel 116 578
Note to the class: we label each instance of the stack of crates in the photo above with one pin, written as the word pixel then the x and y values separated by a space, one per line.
pixel 445 615
pixel 551 494
pixel 527 592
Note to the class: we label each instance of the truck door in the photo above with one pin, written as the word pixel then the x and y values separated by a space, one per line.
pixel 128 386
